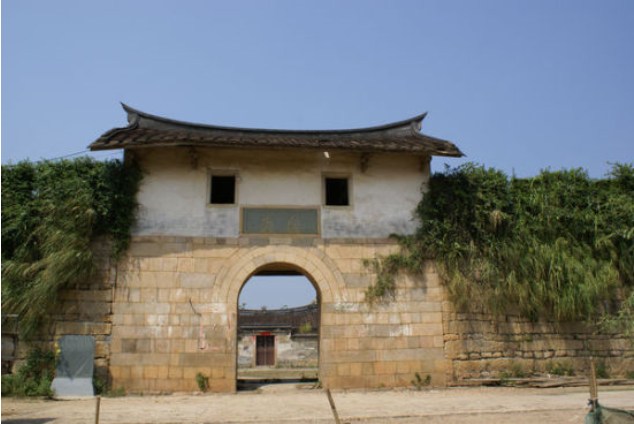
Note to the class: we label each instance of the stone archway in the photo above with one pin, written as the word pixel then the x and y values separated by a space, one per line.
pixel 312 263
pixel 176 303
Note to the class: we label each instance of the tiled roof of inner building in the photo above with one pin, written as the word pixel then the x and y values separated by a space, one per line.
pixel 145 130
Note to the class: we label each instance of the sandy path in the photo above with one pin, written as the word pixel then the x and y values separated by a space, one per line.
pixel 286 404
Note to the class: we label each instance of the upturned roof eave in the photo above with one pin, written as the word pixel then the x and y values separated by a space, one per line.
pixel 96 146
pixel 397 137
pixel 134 115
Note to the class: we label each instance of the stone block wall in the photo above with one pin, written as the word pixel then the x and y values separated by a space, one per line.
pixel 481 346
pixel 85 309
pixel 168 310
pixel 176 300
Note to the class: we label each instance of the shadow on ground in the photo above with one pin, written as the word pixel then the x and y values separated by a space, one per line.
pixel 249 385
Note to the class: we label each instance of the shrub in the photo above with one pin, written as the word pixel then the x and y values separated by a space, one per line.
pixel 564 368
pixel 34 378
pixel 305 328
pixel 203 382
pixel 102 387
pixel 601 369
pixel 418 382
pixel 51 211
pixel 559 245
pixel 516 370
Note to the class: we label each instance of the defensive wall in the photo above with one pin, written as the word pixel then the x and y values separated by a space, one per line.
pixel 218 205
pixel 168 311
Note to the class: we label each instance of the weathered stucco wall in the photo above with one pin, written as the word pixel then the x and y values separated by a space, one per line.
pixel 174 194
pixel 292 351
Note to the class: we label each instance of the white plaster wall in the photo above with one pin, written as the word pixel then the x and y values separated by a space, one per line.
pixel 174 195
pixel 246 350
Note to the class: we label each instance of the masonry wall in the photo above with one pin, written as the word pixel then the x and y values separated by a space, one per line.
pixel 168 310
pixel 160 340
pixel 481 346
pixel 150 339
pixel 85 309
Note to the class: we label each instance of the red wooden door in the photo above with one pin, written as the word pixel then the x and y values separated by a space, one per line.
pixel 265 350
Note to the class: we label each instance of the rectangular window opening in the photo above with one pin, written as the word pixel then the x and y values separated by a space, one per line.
pixel 337 192
pixel 223 189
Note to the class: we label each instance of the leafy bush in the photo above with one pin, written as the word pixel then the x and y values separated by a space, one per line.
pixel 602 369
pixel 100 385
pixel 516 370
pixel 559 245
pixel 203 382
pixel 418 382
pixel 306 328
pixel 51 211
pixel 102 388
pixel 34 378
pixel 564 368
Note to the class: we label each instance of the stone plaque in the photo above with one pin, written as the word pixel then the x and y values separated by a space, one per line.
pixel 280 221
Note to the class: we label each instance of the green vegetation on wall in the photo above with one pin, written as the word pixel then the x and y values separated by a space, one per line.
pixel 51 211
pixel 559 245
pixel 34 377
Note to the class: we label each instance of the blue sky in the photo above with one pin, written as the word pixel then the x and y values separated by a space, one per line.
pixel 276 292
pixel 517 85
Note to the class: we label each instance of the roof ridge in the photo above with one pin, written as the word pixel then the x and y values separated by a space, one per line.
pixel 147 130
pixel 413 124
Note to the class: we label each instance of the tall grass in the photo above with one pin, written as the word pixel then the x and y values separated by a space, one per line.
pixel 51 211
pixel 559 245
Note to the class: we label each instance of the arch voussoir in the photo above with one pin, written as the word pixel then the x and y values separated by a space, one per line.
pixel 233 276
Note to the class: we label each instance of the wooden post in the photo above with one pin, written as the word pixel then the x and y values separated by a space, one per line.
pixel 97 404
pixel 332 406
pixel 592 380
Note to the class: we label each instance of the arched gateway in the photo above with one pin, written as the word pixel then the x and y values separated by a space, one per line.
pixel 218 205
pixel 308 262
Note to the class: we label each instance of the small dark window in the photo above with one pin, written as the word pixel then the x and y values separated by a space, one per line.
pixel 337 192
pixel 223 189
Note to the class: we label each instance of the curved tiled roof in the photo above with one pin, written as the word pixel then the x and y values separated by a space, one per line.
pixel 146 130
pixel 291 317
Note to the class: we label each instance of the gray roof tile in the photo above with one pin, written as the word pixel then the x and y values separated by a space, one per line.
pixel 147 130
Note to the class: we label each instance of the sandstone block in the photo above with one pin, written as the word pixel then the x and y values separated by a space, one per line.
pixel 132 359
pixel 149 295
pixel 137 249
pixel 343 369
pixel 86 328
pixel 150 372
pixel 427 329
pixel 136 372
pixel 217 372
pixel 356 369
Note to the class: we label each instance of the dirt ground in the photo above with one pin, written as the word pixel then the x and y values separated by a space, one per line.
pixel 296 403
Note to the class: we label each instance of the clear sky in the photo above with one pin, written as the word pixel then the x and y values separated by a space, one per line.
pixel 517 85
pixel 276 292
